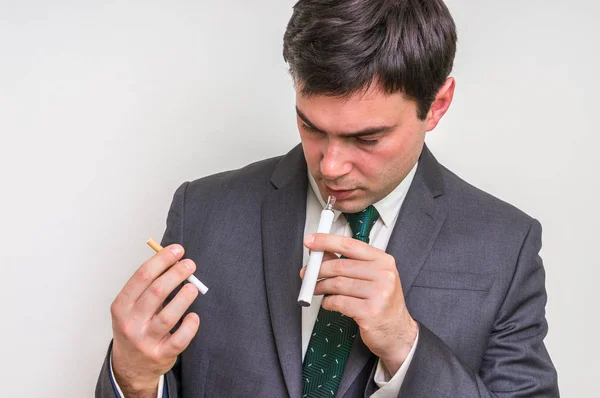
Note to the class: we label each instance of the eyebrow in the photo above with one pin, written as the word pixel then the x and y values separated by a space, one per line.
pixel 360 133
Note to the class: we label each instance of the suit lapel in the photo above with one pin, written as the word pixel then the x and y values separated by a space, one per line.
pixel 419 221
pixel 418 224
pixel 283 219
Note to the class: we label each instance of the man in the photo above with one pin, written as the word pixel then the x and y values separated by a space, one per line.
pixel 439 290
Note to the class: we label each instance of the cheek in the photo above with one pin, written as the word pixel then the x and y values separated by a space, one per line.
pixel 368 167
pixel 379 168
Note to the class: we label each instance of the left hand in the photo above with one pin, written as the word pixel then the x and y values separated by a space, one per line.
pixel 366 286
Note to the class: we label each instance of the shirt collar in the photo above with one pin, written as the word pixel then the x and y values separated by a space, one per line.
pixel 388 207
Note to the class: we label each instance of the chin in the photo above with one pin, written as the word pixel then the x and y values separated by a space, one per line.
pixel 351 205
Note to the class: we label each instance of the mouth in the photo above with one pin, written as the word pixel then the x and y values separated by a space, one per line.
pixel 340 194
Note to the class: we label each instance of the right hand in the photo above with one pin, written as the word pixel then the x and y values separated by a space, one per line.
pixel 143 347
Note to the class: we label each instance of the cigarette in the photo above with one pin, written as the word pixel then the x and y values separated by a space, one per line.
pixel 316 258
pixel 192 279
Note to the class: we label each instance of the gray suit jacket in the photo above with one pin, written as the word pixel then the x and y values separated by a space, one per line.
pixel 469 267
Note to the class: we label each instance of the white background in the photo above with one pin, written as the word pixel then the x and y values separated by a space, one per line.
pixel 106 107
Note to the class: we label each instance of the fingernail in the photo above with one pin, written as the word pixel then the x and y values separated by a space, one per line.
pixel 176 250
pixel 309 239
pixel 188 264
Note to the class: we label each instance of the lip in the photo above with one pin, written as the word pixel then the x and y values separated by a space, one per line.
pixel 340 194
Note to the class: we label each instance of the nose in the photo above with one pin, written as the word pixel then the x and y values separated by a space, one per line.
pixel 335 162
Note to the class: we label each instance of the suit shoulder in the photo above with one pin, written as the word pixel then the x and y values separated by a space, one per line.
pixel 229 189
pixel 473 204
pixel 255 175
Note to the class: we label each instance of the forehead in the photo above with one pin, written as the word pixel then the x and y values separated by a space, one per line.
pixel 359 110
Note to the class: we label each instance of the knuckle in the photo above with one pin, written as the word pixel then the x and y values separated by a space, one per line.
pixel 127 329
pixel 182 342
pixel 178 344
pixel 116 315
pixel 115 308
pixel 385 294
pixel 338 266
pixel 389 277
pixel 332 302
pixel 156 289
pixel 164 319
pixel 154 356
pixel 144 275
pixel 348 244
pixel 338 283
pixel 391 261
pixel 190 292
pixel 356 286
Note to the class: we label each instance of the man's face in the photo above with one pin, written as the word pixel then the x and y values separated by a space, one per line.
pixel 360 148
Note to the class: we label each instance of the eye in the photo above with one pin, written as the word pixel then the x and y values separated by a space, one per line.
pixel 309 129
pixel 363 141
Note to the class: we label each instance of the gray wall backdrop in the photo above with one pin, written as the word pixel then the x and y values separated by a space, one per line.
pixel 106 107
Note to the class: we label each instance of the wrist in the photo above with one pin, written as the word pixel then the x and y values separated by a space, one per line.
pixel 138 388
pixel 134 385
pixel 406 340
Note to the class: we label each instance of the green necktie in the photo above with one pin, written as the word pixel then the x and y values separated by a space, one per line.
pixel 333 333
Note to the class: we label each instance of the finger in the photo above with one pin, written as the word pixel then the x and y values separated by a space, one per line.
pixel 158 291
pixel 326 256
pixel 166 319
pixel 343 286
pixel 149 271
pixel 349 268
pixel 348 247
pixel 178 341
pixel 349 306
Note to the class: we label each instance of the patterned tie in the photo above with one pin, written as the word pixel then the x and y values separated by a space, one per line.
pixel 333 333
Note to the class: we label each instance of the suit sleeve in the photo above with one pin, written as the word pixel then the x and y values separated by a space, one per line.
pixel 515 364
pixel 105 387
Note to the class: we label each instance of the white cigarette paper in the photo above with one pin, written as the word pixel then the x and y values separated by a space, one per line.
pixel 316 258
pixel 192 279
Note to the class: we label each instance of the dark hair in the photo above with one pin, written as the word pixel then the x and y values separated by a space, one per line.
pixel 339 47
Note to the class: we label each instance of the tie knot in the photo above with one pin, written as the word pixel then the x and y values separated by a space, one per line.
pixel 362 222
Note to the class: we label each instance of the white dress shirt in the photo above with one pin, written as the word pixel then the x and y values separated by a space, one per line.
pixel 388 209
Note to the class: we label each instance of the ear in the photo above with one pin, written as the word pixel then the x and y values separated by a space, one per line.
pixel 440 105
